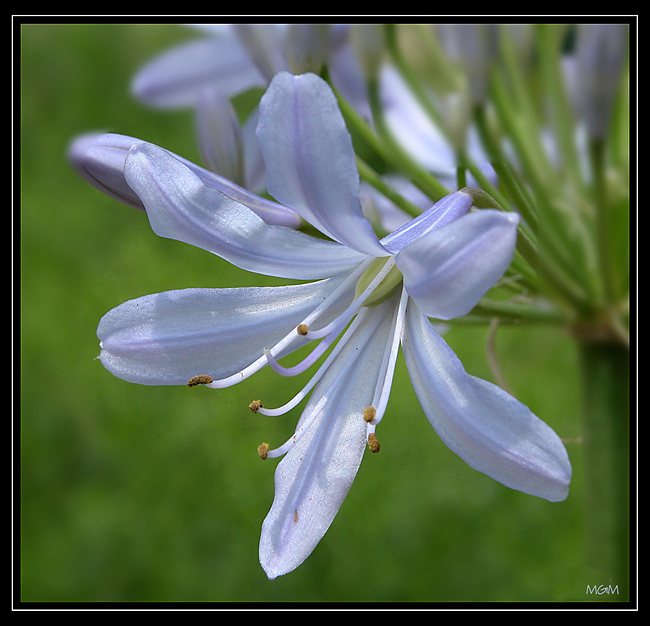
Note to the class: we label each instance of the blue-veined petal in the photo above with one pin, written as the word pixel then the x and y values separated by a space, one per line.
pixel 449 269
pixel 180 206
pixel 447 209
pixel 167 338
pixel 314 477
pixel 488 428
pixel 310 163
pixel 177 76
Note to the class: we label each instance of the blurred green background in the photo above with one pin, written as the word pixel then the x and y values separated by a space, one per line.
pixel 156 494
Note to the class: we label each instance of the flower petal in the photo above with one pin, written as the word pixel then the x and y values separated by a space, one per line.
pixel 310 161
pixel 180 206
pixel 489 429
pixel 100 159
pixel 314 477
pixel 176 77
pixel 447 209
pixel 220 136
pixel 449 269
pixel 167 338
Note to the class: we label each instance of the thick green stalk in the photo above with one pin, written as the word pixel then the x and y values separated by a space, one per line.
pixel 605 369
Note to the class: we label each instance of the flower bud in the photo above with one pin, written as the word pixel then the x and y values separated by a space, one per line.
pixel 368 42
pixel 601 53
pixel 99 158
pixel 220 136
pixel 307 47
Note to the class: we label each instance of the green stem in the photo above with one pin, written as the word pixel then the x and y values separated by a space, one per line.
pixel 411 79
pixel 374 179
pixel 603 225
pixel 396 155
pixel 518 312
pixel 605 368
pixel 389 151
pixel 517 191
pixel 549 43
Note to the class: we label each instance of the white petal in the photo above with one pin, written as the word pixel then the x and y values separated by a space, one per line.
pixel 488 428
pixel 449 269
pixel 180 206
pixel 315 476
pixel 310 162
pixel 167 338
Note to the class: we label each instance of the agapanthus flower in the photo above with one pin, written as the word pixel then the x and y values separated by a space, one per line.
pixel 367 296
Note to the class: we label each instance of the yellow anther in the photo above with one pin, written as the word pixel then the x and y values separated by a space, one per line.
pixel 263 450
pixel 255 405
pixel 369 413
pixel 373 442
pixel 201 379
pixel 302 329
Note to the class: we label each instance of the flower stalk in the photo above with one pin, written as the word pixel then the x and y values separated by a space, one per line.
pixel 605 367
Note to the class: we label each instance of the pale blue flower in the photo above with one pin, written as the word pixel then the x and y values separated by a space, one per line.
pixel 369 296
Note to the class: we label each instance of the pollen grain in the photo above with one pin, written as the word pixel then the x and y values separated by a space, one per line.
pixel 263 450
pixel 255 405
pixel 201 379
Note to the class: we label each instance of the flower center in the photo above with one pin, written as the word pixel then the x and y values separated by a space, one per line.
pixel 385 288
pixel 376 280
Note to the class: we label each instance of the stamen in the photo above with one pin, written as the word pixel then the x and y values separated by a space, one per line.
pixel 386 372
pixel 307 419
pixel 302 329
pixel 307 362
pixel 319 373
pixel 201 379
pixel 255 405
pixel 263 450
pixel 373 442
pixel 385 380
pixel 292 336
